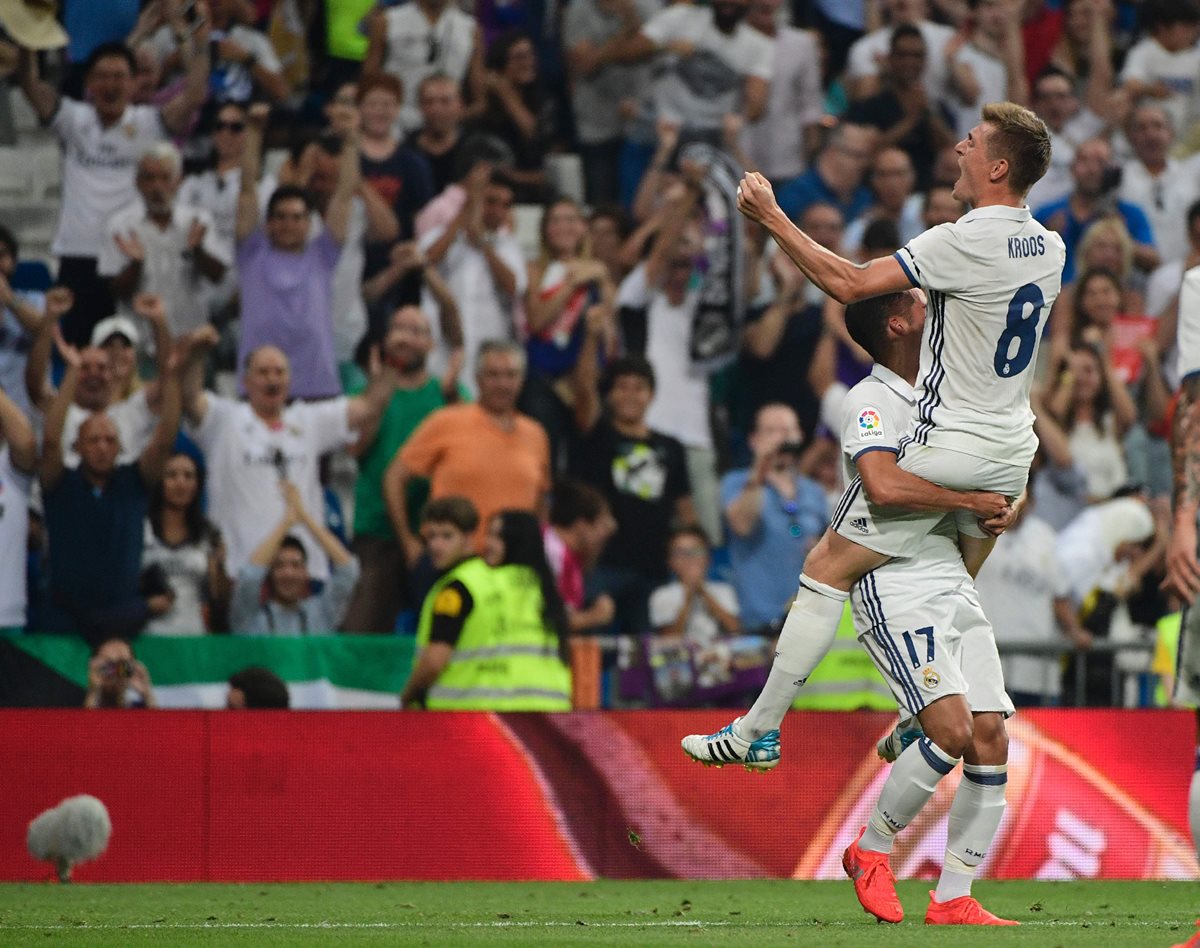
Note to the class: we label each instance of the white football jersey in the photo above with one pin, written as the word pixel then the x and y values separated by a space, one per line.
pixel 876 414
pixel 991 278
pixel 1187 334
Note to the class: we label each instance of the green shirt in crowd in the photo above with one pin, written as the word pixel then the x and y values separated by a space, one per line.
pixel 407 409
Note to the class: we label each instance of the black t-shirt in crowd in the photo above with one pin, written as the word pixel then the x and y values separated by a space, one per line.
pixel 443 167
pixel 642 479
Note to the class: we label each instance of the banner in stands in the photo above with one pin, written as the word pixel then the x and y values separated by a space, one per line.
pixel 334 671
pixel 260 796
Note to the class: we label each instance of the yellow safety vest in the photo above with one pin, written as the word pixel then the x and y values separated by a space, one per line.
pixel 846 679
pixel 505 659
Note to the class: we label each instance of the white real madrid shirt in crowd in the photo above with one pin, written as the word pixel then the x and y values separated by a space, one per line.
pixel 186 569
pixel 246 458
pixel 992 277
pixel 680 406
pixel 135 425
pixel 699 90
pixel 98 170
pixel 168 270
pixel 15 487
pixel 486 312
pixel 1165 198
pixel 1150 62
pixel 417 48
pixel 1017 587
pixel 867 53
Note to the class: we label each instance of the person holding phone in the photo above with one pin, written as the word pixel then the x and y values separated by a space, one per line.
pixel 773 514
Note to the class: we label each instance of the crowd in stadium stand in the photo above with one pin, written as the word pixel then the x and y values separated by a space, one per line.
pixel 316 265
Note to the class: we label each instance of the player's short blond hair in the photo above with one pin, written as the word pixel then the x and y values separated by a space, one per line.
pixel 1020 138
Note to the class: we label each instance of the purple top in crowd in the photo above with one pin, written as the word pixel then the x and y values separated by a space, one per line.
pixel 287 302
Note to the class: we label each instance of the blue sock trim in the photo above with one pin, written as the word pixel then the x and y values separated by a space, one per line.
pixel 933 759
pixel 987 780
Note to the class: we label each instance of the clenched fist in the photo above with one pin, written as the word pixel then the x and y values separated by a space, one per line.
pixel 756 198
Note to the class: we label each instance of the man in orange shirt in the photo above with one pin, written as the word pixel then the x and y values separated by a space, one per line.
pixel 485 451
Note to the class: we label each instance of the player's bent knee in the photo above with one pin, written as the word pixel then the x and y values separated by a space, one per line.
pixel 989 744
pixel 949 724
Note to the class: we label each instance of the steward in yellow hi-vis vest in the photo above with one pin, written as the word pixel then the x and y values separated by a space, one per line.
pixel 846 679
pixel 504 658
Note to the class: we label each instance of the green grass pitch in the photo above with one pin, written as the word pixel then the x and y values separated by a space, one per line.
pixel 825 914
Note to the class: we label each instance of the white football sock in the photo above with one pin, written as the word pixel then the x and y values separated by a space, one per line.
pixel 914 777
pixel 1194 804
pixel 807 636
pixel 974 818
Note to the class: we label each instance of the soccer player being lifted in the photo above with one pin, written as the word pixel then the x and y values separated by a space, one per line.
pixel 991 278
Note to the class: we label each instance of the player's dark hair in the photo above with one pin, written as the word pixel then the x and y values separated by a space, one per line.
pixel 261 686
pixel 866 320
pixel 572 501
pixel 881 235
pixel 635 365
pixel 111 50
pixel 456 511
pixel 288 192
pixel 521 534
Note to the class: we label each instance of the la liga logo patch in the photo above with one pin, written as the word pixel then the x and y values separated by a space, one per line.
pixel 870 424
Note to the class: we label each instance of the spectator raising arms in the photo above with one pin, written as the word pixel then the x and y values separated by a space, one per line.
pixel 95 514
pixel 383 591
pixel 251 445
pixel 102 140
pixel 290 607
pixel 286 280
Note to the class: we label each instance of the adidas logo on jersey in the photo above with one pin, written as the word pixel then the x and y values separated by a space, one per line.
pixel 860 524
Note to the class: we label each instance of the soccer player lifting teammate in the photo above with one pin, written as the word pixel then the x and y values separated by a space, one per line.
pixel 991 278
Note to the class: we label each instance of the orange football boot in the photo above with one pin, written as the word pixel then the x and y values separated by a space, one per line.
pixel 874 883
pixel 964 910
pixel 1193 942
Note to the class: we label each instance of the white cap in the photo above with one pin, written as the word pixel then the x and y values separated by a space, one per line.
pixel 115 326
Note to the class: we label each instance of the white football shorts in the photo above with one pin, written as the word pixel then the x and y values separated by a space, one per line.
pixel 895 532
pixel 930 645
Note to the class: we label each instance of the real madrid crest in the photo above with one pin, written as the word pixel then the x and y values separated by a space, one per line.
pixel 931 678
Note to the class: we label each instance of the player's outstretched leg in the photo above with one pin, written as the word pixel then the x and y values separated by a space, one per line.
pixel 907 730
pixel 725 747
pixel 974 818
pixel 909 786
pixel 808 634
